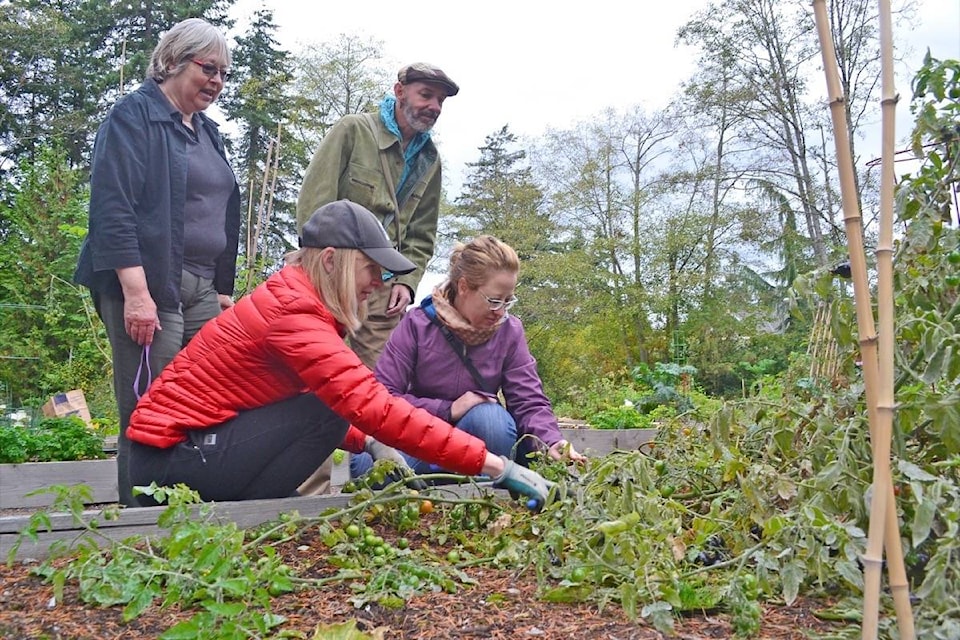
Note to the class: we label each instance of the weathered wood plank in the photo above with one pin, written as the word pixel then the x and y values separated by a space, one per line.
pixel 17 480
pixel 142 522
pixel 602 441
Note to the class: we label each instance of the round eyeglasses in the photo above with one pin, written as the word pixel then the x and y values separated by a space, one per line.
pixel 496 304
pixel 211 70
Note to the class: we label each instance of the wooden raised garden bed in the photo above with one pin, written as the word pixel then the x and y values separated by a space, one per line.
pixel 16 481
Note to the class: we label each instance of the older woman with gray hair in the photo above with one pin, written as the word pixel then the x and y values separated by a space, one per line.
pixel 160 254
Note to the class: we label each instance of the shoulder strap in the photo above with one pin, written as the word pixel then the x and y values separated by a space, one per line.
pixel 458 347
pixel 373 122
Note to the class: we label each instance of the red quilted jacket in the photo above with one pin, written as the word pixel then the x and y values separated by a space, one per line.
pixel 275 343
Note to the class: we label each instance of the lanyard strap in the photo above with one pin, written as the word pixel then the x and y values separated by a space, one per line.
pixel 144 360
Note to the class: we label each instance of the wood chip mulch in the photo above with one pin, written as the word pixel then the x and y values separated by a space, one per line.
pixel 501 605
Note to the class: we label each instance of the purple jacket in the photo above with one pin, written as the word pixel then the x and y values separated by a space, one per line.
pixel 419 365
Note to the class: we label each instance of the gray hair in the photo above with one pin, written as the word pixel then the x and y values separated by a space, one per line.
pixel 184 41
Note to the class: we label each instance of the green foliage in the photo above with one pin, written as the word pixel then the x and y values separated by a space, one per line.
pixel 200 564
pixel 226 576
pixel 599 394
pixel 258 103
pixel 623 417
pixel 64 62
pixel 52 340
pixel 53 439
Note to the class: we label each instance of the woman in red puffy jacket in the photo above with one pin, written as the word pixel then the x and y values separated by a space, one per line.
pixel 268 389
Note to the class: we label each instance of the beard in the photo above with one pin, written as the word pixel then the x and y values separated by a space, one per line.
pixel 420 120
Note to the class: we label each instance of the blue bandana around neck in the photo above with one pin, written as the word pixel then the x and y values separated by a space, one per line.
pixel 389 119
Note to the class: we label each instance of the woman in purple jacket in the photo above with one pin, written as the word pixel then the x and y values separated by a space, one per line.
pixel 460 351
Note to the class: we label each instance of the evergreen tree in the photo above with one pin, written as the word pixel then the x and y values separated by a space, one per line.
pixel 256 104
pixel 501 199
pixel 64 64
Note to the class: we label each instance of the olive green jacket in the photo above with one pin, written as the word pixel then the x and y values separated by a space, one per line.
pixel 361 160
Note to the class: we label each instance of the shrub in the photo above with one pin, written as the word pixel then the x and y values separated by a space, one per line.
pixel 53 439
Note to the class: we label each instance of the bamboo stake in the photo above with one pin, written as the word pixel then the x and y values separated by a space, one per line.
pixel 275 166
pixel 873 557
pixel 249 219
pixel 886 407
pixel 252 253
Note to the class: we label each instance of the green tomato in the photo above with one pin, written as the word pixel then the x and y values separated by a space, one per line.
pixel 453 556
pixel 954 257
pixel 402 543
pixel 660 466
pixel 579 574
pixel 952 280
pixel 667 490
pixel 370 540
pixel 750 586
pixel 352 531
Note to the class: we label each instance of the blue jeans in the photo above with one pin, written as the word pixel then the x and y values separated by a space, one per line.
pixel 488 421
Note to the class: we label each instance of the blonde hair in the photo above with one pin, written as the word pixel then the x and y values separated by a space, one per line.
pixel 183 42
pixel 338 288
pixel 476 260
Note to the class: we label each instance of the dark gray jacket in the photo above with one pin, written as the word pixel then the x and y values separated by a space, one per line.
pixel 137 194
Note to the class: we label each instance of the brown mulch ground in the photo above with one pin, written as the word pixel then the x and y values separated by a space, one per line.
pixel 28 611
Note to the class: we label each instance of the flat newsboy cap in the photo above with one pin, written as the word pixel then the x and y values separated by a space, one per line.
pixel 347 225
pixel 425 72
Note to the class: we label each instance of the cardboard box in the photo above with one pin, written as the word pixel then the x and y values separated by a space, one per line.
pixel 70 403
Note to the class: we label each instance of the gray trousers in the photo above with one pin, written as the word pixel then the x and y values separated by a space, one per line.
pixel 199 304
pixel 368 344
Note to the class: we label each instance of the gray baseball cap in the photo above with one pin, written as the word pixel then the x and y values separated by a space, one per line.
pixel 346 225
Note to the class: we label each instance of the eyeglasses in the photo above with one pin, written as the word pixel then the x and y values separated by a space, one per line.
pixel 496 304
pixel 211 70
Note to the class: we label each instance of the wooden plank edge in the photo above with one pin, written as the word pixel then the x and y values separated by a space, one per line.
pixel 100 475
pixel 142 522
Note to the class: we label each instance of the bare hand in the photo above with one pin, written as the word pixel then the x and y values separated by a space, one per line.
pixel 225 301
pixel 140 318
pixel 564 450
pixel 399 300
pixel 466 402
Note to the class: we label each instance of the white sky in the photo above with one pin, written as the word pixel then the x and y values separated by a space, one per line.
pixel 533 64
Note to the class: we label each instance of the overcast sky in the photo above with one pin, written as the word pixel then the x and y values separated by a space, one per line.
pixel 533 64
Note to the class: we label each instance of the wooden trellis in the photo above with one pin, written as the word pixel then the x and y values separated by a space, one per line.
pixel 268 186
pixel 822 347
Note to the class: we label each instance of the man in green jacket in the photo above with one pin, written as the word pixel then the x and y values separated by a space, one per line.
pixel 386 162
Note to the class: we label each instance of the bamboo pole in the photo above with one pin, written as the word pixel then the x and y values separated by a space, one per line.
pixel 275 167
pixel 252 252
pixel 881 517
pixel 896 572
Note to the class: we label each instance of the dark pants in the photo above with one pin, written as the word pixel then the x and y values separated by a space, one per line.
pixel 199 304
pixel 262 453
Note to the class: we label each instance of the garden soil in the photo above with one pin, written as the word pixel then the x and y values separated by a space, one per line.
pixel 501 605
